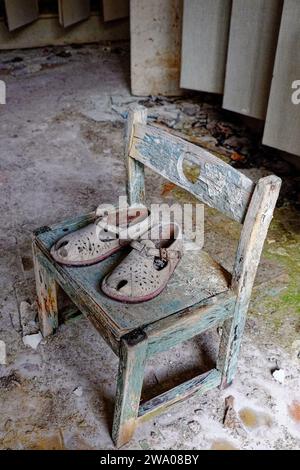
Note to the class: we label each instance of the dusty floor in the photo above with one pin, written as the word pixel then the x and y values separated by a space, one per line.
pixel 61 154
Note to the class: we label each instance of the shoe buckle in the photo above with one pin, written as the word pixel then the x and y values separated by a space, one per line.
pixel 163 254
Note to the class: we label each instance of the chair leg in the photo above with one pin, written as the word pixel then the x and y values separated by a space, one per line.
pixel 232 332
pixel 133 349
pixel 46 288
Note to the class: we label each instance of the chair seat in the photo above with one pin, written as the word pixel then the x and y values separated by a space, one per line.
pixel 197 278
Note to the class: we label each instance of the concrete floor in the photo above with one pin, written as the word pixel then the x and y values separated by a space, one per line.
pixel 61 143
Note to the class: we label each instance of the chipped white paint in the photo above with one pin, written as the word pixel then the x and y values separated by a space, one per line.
pixel 78 391
pixel 279 376
pixel 2 352
pixel 2 92
pixel 32 340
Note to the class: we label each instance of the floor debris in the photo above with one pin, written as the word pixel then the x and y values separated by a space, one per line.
pixel 32 340
pixel 231 419
pixel 28 316
pixel 2 352
pixel 7 382
pixel 78 391
pixel 279 375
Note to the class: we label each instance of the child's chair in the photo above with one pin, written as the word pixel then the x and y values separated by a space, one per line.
pixel 200 295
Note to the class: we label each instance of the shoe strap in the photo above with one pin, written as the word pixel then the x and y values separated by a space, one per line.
pixel 165 254
pixel 133 230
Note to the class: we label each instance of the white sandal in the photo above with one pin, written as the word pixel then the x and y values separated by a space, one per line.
pixel 100 239
pixel 145 272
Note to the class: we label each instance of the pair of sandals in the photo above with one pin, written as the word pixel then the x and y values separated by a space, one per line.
pixel 145 271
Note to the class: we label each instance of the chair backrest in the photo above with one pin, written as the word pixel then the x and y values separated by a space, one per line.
pixel 218 185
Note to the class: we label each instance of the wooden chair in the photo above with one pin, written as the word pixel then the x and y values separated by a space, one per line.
pixel 209 296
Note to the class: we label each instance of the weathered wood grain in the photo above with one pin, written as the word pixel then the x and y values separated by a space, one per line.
pixel 204 44
pixel 46 288
pixel 251 243
pixel 83 301
pixel 170 331
pixel 198 385
pixel 133 349
pixel 252 45
pixel 218 185
pixel 61 228
pixel 135 170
